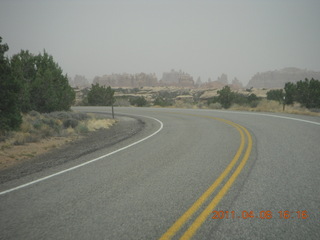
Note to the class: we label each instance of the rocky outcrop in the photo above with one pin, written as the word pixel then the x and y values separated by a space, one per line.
pixel 213 85
pixel 177 79
pixel 127 80
pixel 278 78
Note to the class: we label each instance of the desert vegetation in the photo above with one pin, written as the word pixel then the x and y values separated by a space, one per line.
pixel 40 132
pixel 30 82
pixel 35 106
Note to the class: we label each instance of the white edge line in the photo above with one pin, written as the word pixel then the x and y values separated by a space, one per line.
pixel 88 162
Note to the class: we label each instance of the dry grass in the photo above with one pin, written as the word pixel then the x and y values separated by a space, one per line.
pixel 95 124
pixel 274 106
pixel 263 106
pixel 39 133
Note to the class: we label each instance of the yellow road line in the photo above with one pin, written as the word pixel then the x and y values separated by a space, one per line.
pixel 184 218
pixel 203 216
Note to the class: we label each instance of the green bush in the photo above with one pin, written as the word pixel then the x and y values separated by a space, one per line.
pixel 81 128
pixel 276 94
pixel 306 92
pixel 138 101
pixel 215 105
pixel 100 95
pixel 163 102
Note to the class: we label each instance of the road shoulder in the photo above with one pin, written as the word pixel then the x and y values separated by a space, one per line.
pixel 125 128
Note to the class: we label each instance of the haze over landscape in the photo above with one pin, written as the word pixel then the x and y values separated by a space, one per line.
pixel 202 38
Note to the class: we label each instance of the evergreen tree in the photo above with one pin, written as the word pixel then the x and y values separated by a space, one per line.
pixel 276 94
pixel 290 92
pixel 100 95
pixel 225 97
pixel 10 117
pixel 44 87
pixel 308 93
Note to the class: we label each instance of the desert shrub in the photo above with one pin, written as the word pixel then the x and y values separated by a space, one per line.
pixel 79 116
pixel 60 115
pixel 215 105
pixel 82 128
pixel 22 138
pixel 70 123
pixel 61 124
pixel 138 101
pixel 212 100
pixel 46 131
pixel 163 102
pixel 254 104
pixel 50 122
pixel 240 99
pixel 37 123
pixel 34 113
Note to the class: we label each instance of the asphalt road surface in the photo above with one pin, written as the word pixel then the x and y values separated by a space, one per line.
pixel 190 174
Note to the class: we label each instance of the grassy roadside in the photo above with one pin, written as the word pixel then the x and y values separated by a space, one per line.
pixel 39 133
pixel 273 106
pixel 263 106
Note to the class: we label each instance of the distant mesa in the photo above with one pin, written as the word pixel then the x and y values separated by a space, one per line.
pixel 278 78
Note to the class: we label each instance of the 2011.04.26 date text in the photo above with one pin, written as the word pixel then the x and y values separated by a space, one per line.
pixel 260 214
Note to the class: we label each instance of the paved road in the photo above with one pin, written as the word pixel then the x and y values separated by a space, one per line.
pixel 268 189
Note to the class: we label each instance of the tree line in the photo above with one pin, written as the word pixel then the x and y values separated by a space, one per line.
pixel 226 98
pixel 30 82
pixel 306 92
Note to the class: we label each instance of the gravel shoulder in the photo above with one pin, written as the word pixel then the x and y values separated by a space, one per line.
pixel 126 127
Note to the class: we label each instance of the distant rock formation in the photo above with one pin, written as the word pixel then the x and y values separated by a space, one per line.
pixel 278 78
pixel 213 85
pixel 236 84
pixel 127 80
pixel 78 81
pixel 173 78
pixel 223 79
pixel 177 79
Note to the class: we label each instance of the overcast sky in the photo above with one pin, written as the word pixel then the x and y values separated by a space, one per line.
pixel 201 37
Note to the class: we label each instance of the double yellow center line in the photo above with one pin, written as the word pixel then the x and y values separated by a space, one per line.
pixel 195 225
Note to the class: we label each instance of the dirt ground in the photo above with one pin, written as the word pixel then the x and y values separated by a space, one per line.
pixel 13 155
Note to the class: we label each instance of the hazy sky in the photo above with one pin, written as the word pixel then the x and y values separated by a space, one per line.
pixel 201 37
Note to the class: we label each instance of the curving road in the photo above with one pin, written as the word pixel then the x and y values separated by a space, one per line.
pixel 190 174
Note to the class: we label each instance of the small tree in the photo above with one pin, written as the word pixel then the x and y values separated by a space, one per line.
pixel 290 92
pixel 225 97
pixel 276 94
pixel 100 95
pixel 308 93
pixel 138 101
